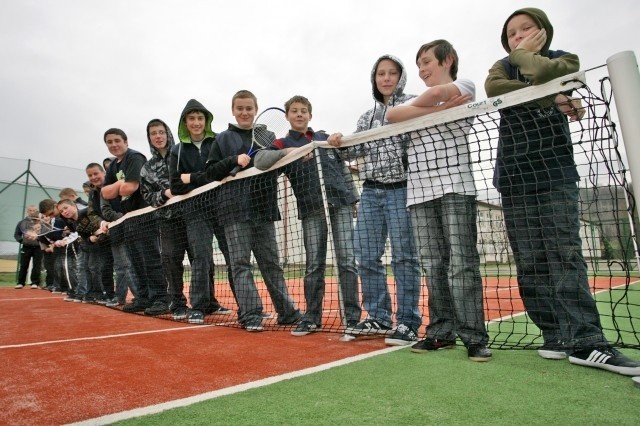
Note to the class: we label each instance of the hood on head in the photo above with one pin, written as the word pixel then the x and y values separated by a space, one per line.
pixel 170 141
pixel 539 17
pixel 401 83
pixel 183 132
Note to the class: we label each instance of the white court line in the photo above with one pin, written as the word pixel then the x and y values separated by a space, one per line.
pixel 108 336
pixel 153 409
pixel 26 299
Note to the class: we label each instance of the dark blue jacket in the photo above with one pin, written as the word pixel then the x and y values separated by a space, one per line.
pixel 304 176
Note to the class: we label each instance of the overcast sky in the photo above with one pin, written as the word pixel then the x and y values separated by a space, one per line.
pixel 73 68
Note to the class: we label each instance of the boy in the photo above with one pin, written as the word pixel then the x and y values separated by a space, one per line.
pixel 195 234
pixel 136 259
pixel 71 194
pixel 441 197
pixel 247 208
pixel 60 284
pixel 341 198
pixel 535 174
pixel 100 256
pixel 382 216
pixel 29 248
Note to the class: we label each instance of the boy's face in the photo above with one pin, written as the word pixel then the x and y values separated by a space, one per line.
pixel 67 211
pixel 299 116
pixel 158 136
pixel 244 110
pixel 95 176
pixel 195 122
pixel 32 211
pixel 519 27
pixel 116 145
pixel 51 213
pixel 430 71
pixel 387 77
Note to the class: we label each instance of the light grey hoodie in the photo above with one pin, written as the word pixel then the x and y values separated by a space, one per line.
pixel 384 159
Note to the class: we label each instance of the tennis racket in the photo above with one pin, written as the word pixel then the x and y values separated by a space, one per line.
pixel 36 227
pixel 268 126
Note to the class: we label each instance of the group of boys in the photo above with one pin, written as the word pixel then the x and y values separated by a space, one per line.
pixel 440 200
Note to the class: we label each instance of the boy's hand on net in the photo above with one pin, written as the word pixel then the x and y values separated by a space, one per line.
pixel 335 140
pixel 454 101
pixel 571 107
pixel 534 41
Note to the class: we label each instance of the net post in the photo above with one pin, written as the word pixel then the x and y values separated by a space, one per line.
pixel 625 83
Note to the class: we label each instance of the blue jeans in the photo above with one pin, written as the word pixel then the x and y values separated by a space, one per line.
pixel 446 235
pixel 543 230
pixel 243 238
pixel 382 213
pixel 123 267
pixel 314 228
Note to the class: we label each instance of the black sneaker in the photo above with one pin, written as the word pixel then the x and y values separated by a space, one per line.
pixel 133 307
pixel 179 313
pixel 429 345
pixel 290 320
pixel 305 327
pixel 89 299
pixel 479 353
pixel 402 336
pixel 254 324
pixel 195 317
pixel 158 308
pixel 220 310
pixel 113 303
pixel 351 324
pixel 369 327
pixel 606 358
pixel 552 351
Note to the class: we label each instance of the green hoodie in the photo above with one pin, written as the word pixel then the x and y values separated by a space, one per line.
pixel 531 68
pixel 183 132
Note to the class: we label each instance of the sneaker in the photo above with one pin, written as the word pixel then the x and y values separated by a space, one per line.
pixel 254 325
pixel 368 327
pixel 402 336
pixel 606 358
pixel 351 324
pixel 266 315
pixel 102 300
pixel 77 299
pixel 133 307
pixel 429 345
pixel 195 317
pixel 72 298
pixel 220 310
pixel 292 319
pixel 305 327
pixel 552 351
pixel 179 313
pixel 113 303
pixel 34 286
pixel 19 286
pixel 479 353
pixel 158 308
pixel 55 290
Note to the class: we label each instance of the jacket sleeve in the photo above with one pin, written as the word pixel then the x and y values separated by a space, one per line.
pixel 217 167
pixel 18 233
pixel 149 189
pixel 540 69
pixel 498 81
pixel 108 213
pixel 175 182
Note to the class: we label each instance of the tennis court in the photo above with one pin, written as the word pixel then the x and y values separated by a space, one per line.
pixel 67 362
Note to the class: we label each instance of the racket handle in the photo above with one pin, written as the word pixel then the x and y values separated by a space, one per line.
pixel 235 170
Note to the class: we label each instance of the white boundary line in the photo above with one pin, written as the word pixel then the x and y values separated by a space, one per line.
pixel 108 336
pixel 154 409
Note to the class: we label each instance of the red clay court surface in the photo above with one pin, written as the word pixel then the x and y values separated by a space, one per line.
pixel 64 362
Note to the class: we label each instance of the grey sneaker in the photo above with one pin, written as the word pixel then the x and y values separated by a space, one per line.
pixel 369 327
pixel 402 336
pixel 195 317
pixel 305 327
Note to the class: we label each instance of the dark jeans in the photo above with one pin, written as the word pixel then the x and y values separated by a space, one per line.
pixel 27 254
pixel 49 267
pixel 543 230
